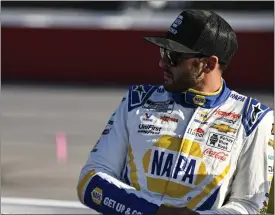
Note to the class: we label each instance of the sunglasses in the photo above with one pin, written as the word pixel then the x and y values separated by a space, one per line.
pixel 176 57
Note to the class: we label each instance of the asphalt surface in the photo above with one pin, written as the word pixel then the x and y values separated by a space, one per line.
pixel 31 119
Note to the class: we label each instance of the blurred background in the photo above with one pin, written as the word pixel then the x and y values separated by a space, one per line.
pixel 65 67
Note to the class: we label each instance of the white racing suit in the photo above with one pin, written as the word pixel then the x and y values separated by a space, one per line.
pixel 212 153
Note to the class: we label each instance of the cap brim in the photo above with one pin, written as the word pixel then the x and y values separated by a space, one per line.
pixel 170 45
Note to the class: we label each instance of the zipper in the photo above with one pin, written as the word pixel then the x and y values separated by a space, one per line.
pixel 191 121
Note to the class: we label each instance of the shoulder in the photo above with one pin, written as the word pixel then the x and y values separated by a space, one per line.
pixel 138 94
pixel 254 113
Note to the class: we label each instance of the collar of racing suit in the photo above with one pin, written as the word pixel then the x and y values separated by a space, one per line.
pixel 194 98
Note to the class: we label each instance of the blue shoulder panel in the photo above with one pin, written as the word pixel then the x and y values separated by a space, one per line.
pixel 253 113
pixel 138 94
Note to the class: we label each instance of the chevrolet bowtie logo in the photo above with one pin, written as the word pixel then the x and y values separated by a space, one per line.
pixel 224 128
pixel 271 143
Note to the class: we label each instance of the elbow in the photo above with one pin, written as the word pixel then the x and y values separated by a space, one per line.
pixel 82 184
pixel 80 192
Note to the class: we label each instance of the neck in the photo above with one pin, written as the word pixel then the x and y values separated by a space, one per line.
pixel 209 86
pixel 203 96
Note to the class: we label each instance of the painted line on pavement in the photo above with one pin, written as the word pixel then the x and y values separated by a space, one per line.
pixel 42 202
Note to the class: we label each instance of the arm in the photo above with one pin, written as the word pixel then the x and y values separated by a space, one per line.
pixel 270 208
pixel 250 188
pixel 99 186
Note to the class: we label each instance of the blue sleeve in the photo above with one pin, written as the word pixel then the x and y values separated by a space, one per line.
pixel 107 198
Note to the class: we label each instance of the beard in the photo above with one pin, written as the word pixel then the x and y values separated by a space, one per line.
pixel 186 79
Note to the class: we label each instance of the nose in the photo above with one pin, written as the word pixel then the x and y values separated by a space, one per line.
pixel 163 63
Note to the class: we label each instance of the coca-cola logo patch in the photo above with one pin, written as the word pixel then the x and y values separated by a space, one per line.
pixel 215 154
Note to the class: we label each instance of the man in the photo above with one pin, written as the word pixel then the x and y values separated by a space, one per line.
pixel 190 146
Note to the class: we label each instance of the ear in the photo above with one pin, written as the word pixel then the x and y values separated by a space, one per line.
pixel 211 63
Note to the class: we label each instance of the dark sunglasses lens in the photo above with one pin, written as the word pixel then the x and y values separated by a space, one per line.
pixel 174 57
pixel 166 52
pixel 162 52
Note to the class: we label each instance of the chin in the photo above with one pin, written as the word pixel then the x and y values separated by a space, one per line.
pixel 169 87
pixel 172 88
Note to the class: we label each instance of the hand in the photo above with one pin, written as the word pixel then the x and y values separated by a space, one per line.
pixel 165 210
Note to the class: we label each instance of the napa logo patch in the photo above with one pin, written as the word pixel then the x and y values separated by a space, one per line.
pixel 238 97
pixel 199 100
pixel 97 195
pixel 175 167
pixel 162 177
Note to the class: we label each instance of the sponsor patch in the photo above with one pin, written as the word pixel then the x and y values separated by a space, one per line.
pixel 229 121
pixel 237 97
pixel 220 141
pixel 198 132
pixel 94 149
pixel 270 157
pixel 199 100
pixel 175 166
pixel 263 210
pixel 106 131
pixel 175 24
pixel 147 117
pixel 168 119
pixel 110 122
pixel 215 154
pixel 148 129
pixel 108 128
pixel 270 169
pixel 223 128
pixel 229 115
pixel 184 165
pixel 97 195
pixel 271 143
pixel 119 207
pixel 162 106
pixel 202 118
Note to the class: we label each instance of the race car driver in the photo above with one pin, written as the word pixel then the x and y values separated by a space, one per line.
pixel 189 146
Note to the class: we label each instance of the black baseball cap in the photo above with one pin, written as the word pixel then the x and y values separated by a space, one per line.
pixel 199 32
